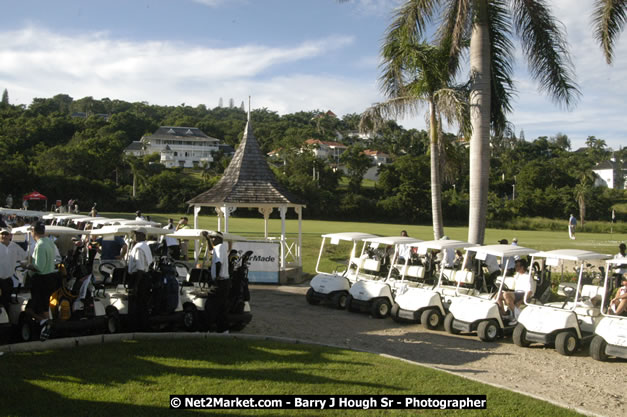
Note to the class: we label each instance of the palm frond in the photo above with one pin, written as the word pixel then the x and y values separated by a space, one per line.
pixel 411 20
pixel 454 32
pixel 608 19
pixel 375 116
pixel 544 43
pixel 500 33
pixel 452 103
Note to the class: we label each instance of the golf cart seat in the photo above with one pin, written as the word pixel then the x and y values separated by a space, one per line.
pixel 448 273
pixel 371 265
pixel 413 271
pixel 356 262
pixel 509 283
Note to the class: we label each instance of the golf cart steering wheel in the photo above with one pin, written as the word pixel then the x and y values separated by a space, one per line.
pixel 569 292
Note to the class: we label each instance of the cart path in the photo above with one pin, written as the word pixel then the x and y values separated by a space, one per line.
pixel 576 381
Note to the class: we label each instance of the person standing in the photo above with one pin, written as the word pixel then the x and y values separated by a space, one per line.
pixel 183 244
pixel 139 217
pixel 620 271
pixel 45 279
pixel 9 201
pixel 572 224
pixel 220 272
pixel 172 245
pixel 139 260
pixel 10 254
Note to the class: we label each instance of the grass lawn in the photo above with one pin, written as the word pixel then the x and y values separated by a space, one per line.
pixel 312 229
pixel 135 378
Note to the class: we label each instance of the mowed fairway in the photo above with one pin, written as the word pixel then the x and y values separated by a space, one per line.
pixel 312 229
pixel 136 378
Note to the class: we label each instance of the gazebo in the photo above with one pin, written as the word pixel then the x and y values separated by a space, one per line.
pixel 249 182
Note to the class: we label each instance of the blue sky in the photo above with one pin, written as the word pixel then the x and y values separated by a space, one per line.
pixel 289 55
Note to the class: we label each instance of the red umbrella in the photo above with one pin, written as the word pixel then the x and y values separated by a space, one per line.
pixel 35 195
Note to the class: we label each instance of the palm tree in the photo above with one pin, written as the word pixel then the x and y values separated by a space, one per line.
pixel 489 24
pixel 608 19
pixel 415 74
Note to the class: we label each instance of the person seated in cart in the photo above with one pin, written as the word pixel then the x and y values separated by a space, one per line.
pixel 618 305
pixel 524 288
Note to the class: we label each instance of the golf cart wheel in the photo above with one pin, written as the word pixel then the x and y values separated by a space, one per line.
pixel 431 319
pixel 237 327
pixel 26 329
pixel 190 318
pixel 566 343
pixel 380 308
pixel 394 312
pixel 448 324
pixel 349 304
pixel 520 336
pixel 339 300
pixel 597 348
pixel 488 330
pixel 310 297
pixel 113 322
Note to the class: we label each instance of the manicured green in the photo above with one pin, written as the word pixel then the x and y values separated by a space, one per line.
pixel 136 378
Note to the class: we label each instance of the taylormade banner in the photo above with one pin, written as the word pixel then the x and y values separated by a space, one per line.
pixel 264 263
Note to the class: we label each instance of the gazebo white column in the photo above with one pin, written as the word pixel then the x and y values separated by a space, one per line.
pixel 266 211
pixel 299 211
pixel 283 211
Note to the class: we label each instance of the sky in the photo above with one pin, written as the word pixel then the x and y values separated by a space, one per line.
pixel 289 55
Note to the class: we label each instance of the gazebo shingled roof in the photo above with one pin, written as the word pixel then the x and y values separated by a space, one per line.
pixel 248 180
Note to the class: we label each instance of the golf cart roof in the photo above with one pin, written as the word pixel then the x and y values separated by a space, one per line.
pixel 53 230
pixel 191 234
pixel 572 255
pixel 139 223
pixel 503 250
pixel 104 220
pixel 444 244
pixel 349 236
pixel 125 230
pixel 393 240
pixel 22 213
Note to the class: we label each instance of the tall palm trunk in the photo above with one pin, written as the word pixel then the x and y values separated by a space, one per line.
pixel 480 121
pixel 436 195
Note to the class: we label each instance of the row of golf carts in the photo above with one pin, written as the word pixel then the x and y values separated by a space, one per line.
pixel 103 297
pixel 424 282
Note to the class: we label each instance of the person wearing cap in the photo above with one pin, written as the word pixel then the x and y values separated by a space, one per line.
pixel 10 254
pixel 220 273
pixel 45 279
pixel 572 224
pixel 139 260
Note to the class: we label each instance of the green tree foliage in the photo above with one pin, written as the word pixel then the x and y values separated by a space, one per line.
pixel 356 163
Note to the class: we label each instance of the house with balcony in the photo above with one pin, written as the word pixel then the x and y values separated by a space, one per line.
pixel 185 147
pixel 611 174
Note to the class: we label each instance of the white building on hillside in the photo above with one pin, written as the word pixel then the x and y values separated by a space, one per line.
pixel 611 174
pixel 178 146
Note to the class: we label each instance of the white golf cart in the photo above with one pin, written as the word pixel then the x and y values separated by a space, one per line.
pixel 115 283
pixel 480 312
pixel 197 289
pixel 334 286
pixel 374 289
pixel 610 335
pixel 569 323
pixel 427 297
pixel 74 307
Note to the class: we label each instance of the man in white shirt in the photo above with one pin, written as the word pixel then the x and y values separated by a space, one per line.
pixel 139 260
pixel 220 272
pixel 10 254
pixel 172 245
pixel 620 271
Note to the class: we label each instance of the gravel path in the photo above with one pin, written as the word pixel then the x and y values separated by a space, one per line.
pixel 576 381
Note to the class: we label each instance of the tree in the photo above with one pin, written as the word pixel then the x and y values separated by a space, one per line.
pixel 489 25
pixel 356 163
pixel 416 74
pixel 5 98
pixel 583 191
pixel 608 20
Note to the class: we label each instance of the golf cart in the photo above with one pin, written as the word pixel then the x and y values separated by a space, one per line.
pixel 480 312
pixel 333 286
pixel 74 306
pixel 159 303
pixel 198 289
pixel 610 334
pixel 375 287
pixel 428 296
pixel 569 323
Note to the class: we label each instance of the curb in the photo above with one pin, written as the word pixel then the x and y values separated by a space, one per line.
pixel 72 342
